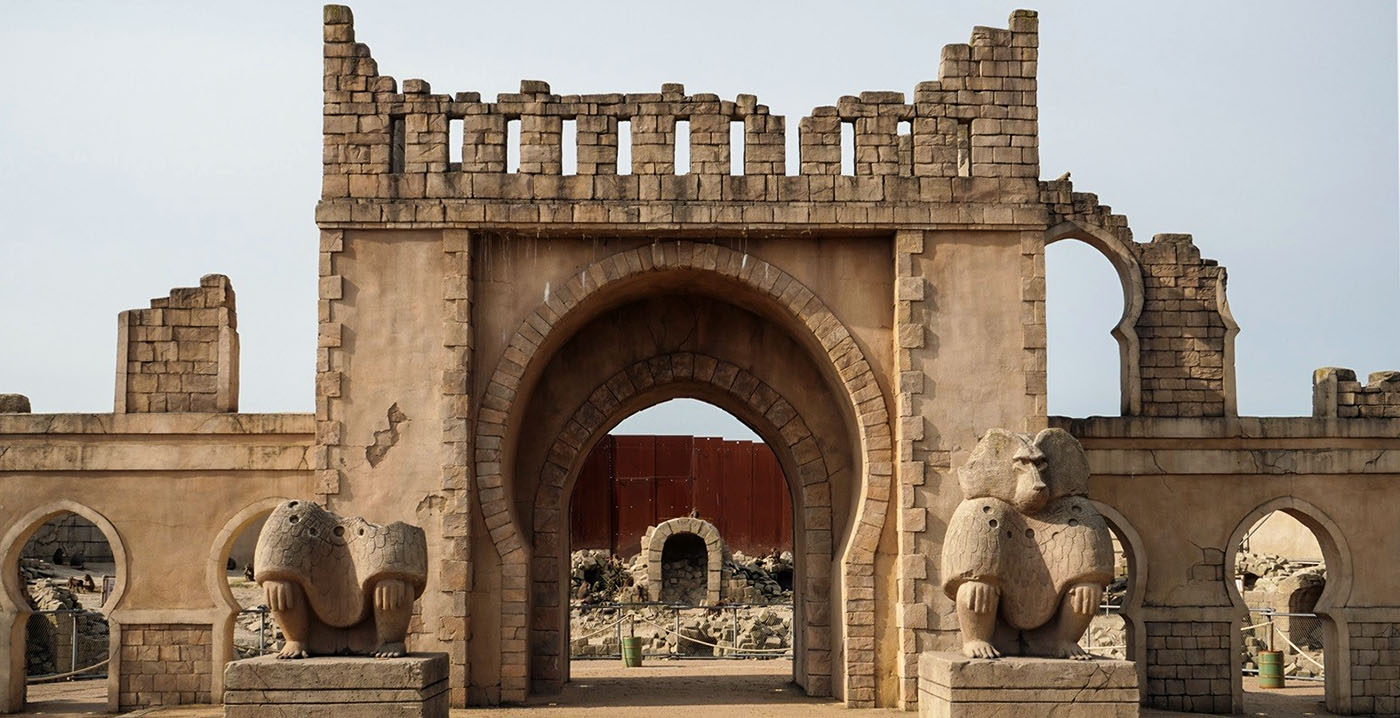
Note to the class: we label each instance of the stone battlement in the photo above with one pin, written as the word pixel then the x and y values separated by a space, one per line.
pixel 977 121
pixel 1337 393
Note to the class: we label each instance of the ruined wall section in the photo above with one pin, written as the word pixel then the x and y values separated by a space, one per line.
pixel 181 354
pixel 972 141
pixel 1184 344
pixel 1337 394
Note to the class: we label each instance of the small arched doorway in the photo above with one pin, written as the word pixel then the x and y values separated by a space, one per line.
pixel 245 628
pixel 1291 606
pixel 56 604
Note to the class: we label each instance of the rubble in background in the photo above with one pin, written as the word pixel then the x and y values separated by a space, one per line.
pixel 597 578
pixel 1273 582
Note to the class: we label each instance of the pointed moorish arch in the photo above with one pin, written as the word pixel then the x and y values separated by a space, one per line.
pixel 215 577
pixel 806 471
pixel 1331 605
pixel 811 323
pixel 15 611
pixel 1125 264
pixel 1135 551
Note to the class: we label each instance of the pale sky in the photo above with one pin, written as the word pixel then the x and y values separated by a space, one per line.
pixel 145 144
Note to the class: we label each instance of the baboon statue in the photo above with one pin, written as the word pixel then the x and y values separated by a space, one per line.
pixel 1027 556
pixel 339 585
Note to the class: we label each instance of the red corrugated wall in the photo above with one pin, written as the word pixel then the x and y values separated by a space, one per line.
pixel 631 482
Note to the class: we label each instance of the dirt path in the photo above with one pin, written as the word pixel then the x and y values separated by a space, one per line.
pixel 696 688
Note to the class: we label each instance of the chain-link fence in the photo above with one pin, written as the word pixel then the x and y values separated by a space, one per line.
pixel 1297 635
pixel 65 644
pixel 732 630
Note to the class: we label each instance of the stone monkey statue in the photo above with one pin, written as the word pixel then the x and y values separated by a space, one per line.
pixel 339 586
pixel 1027 556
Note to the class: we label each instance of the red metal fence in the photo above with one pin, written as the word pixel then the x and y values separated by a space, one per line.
pixel 631 482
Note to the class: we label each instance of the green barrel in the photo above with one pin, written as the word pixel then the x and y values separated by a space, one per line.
pixel 632 651
pixel 1271 669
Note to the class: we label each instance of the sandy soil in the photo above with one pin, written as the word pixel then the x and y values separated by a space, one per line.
pixel 761 689
pixel 76 698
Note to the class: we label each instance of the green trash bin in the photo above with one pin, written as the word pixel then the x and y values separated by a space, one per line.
pixel 1271 669
pixel 632 651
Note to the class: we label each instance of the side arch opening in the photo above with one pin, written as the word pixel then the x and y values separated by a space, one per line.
pixel 60 604
pixel 1061 289
pixel 1265 588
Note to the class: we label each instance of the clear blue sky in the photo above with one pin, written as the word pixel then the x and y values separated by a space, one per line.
pixel 145 144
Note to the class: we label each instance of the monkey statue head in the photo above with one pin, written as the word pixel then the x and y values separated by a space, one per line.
pixel 1007 466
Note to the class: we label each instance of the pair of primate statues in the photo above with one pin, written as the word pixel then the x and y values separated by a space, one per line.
pixel 1025 560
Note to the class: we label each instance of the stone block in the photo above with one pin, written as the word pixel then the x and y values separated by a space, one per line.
pixel 953 686
pixel 414 686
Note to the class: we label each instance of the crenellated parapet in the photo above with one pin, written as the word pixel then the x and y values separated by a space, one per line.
pixel 968 137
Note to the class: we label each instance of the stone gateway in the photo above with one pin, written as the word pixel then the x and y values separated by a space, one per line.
pixel 871 308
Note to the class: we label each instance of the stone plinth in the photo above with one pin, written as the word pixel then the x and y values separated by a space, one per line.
pixel 337 687
pixel 953 686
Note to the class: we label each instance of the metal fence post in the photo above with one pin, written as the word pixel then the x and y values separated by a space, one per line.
pixel 73 648
pixel 734 637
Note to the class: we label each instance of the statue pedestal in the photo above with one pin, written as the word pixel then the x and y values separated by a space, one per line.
pixel 414 686
pixel 954 686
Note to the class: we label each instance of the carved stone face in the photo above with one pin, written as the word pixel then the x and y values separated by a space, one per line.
pixel 1029 464
pixel 1010 467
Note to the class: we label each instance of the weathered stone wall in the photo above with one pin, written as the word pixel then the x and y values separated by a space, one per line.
pixel 1330 475
pixel 182 353
pixel 1337 393
pixel 168 492
pixel 165 665
pixel 1177 335
pixel 74 534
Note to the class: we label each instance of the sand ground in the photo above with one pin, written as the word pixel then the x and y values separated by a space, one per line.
pixel 726 689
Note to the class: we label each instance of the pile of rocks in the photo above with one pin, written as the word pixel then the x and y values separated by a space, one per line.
pixel 711 631
pixel 1264 572
pixel 596 576
pixel 683 581
pixel 766 579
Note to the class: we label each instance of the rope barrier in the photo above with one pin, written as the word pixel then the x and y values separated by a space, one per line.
pixel 600 631
pixel 1298 650
pixel 734 649
pixel 1274 627
pixel 59 676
